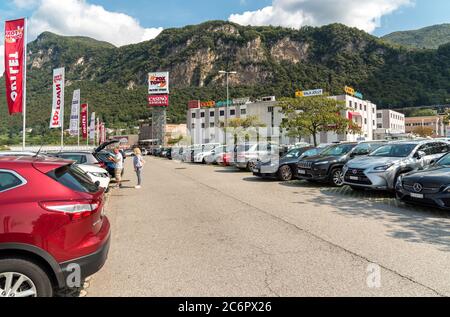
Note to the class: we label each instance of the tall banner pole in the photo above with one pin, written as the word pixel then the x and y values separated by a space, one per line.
pixel 24 132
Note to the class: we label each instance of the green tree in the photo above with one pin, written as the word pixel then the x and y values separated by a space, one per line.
pixel 243 128
pixel 311 115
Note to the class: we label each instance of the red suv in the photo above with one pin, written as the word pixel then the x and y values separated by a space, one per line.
pixel 52 228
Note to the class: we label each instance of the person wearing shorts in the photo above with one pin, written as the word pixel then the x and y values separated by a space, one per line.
pixel 118 166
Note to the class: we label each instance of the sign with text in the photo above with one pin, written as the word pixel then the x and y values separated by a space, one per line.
pixel 84 121
pixel 194 104
pixel 75 113
pixel 158 83
pixel 56 119
pixel 207 104
pixel 158 100
pixel 352 92
pixel 15 64
pixel 309 93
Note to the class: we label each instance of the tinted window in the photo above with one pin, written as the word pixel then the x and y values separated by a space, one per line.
pixel 394 150
pixel 293 153
pixel 366 148
pixel 80 159
pixel 338 150
pixel 444 161
pixel 73 178
pixel 8 181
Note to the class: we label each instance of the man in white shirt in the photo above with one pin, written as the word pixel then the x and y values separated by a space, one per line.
pixel 118 166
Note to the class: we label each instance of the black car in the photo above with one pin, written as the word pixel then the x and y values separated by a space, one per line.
pixel 284 169
pixel 327 167
pixel 429 187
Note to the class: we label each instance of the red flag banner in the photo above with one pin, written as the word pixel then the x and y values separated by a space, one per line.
pixel 14 64
pixel 84 121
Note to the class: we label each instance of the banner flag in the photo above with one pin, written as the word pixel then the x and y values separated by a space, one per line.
pixel 75 114
pixel 92 127
pixel 84 121
pixel 57 118
pixel 15 63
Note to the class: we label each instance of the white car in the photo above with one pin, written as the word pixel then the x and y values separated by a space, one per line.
pixel 203 151
pixel 96 174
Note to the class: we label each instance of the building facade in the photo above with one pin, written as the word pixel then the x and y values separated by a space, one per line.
pixel 389 124
pixel 206 119
pixel 436 123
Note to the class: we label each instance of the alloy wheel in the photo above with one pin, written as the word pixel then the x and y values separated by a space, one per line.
pixel 338 178
pixel 286 173
pixel 14 284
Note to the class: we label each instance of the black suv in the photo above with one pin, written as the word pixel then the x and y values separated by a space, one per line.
pixel 327 167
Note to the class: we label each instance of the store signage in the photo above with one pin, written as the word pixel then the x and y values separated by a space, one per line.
pixel 158 83
pixel 309 93
pixel 207 104
pixel 194 104
pixel 158 100
pixel 352 92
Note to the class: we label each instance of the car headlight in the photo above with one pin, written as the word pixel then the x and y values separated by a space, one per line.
pixel 383 167
pixel 447 189
pixel 322 163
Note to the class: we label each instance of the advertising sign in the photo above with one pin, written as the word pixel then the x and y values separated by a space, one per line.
pixel 158 100
pixel 75 114
pixel 352 92
pixel 309 93
pixel 57 117
pixel 158 83
pixel 14 64
pixel 207 104
pixel 92 127
pixel 194 104
pixel 84 121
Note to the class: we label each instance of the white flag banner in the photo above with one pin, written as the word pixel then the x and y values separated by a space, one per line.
pixel 57 118
pixel 75 114
pixel 92 127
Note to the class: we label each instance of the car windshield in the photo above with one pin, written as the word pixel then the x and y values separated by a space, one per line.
pixel 366 148
pixel 74 178
pixel 243 148
pixel 293 153
pixel 445 161
pixel 394 150
pixel 338 150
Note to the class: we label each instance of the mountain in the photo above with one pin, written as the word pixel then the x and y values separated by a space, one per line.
pixel 269 61
pixel 429 38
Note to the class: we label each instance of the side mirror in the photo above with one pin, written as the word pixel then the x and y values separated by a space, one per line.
pixel 433 162
pixel 420 155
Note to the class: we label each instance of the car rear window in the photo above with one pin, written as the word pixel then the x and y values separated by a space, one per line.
pixel 74 178
pixel 80 159
pixel 8 181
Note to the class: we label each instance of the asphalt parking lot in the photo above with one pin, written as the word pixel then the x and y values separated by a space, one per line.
pixel 197 230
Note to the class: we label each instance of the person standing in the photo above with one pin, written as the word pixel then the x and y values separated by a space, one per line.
pixel 138 163
pixel 118 166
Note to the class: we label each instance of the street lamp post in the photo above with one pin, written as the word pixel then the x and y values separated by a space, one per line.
pixel 227 73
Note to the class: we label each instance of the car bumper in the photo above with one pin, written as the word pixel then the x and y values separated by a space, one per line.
pixel 240 164
pixel 313 174
pixel 439 200
pixel 374 181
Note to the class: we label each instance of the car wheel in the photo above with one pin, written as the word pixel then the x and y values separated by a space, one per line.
pixel 285 173
pixel 22 278
pixel 337 177
pixel 250 166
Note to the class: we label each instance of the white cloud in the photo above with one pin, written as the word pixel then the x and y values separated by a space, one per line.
pixel 78 17
pixel 25 4
pixel 364 15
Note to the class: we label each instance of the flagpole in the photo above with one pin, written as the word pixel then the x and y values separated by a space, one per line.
pixel 24 106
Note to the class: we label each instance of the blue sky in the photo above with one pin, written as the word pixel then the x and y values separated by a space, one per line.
pixel 124 22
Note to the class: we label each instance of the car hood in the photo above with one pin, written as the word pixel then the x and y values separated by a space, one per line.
pixel 436 176
pixel 321 158
pixel 365 162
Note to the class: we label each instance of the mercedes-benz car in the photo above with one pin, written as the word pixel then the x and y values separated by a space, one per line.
pixel 430 187
pixel 328 166
pixel 381 169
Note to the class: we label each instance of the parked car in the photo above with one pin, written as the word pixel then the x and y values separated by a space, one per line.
pixel 206 150
pixel 83 157
pixel 215 154
pixel 60 212
pixel 381 169
pixel 128 153
pixel 429 187
pixel 284 169
pixel 328 165
pixel 144 152
pixel 247 158
pixel 96 174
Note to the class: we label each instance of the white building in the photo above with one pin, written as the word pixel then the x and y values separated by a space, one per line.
pixel 389 124
pixel 205 120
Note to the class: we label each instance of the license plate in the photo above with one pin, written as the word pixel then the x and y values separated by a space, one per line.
pixel 255 170
pixel 354 178
pixel 418 196
pixel 302 172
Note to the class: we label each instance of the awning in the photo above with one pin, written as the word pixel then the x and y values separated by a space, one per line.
pixel 352 114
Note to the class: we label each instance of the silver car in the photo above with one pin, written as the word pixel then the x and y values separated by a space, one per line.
pixel 381 169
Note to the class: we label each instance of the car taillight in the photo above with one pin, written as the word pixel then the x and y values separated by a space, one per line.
pixel 76 210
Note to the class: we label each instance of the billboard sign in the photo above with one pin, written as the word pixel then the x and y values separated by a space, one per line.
pixel 309 93
pixel 56 119
pixel 14 64
pixel 194 104
pixel 207 104
pixel 75 113
pixel 158 83
pixel 352 92
pixel 158 100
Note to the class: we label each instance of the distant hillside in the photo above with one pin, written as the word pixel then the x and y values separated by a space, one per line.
pixel 430 37
pixel 268 60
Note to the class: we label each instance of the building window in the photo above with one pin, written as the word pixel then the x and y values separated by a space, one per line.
pixel 202 115
pixel 232 112
pixel 379 116
pixel 243 111
pixel 365 107
pixel 222 113
pixel 193 126
pixel 211 114
pixel 365 121
pixel 350 104
pixel 211 125
pixel 203 125
pixel 380 126
pixel 193 116
pixel 270 109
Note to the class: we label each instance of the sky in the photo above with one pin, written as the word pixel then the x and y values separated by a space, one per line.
pixel 123 22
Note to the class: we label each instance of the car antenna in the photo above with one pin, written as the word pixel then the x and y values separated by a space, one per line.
pixel 40 149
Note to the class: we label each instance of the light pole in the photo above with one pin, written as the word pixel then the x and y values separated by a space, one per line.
pixel 227 73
